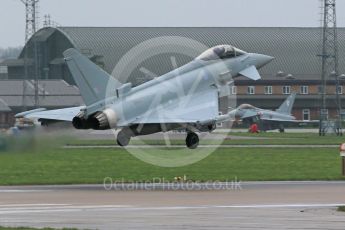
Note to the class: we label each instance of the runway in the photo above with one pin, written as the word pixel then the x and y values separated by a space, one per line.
pixel 255 205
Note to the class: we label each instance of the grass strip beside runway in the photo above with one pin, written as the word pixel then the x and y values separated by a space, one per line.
pixel 265 139
pixel 91 166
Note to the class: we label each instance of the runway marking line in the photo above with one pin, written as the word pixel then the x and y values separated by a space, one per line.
pixel 30 205
pixel 21 191
pixel 39 208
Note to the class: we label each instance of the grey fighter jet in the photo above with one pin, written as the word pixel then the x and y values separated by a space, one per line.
pixel 267 119
pixel 186 98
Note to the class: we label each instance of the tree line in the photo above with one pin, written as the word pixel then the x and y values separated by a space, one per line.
pixel 10 52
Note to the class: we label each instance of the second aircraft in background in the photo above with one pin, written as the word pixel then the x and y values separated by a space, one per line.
pixel 267 119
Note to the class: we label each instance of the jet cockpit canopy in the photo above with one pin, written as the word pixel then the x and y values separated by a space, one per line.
pixel 246 106
pixel 220 52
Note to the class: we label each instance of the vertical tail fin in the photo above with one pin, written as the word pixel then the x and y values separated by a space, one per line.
pixel 287 105
pixel 92 81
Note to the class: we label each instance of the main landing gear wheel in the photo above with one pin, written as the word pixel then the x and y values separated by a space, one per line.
pixel 123 138
pixel 192 140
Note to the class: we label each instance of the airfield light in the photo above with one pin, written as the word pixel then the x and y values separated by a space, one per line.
pixel 342 154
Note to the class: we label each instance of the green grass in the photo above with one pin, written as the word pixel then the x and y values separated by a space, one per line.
pixel 270 139
pixel 276 134
pixel 341 209
pixel 78 166
pixel 288 139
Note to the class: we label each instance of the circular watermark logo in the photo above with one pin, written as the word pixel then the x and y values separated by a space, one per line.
pixel 168 103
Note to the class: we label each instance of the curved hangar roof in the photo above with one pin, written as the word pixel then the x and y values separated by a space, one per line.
pixel 295 49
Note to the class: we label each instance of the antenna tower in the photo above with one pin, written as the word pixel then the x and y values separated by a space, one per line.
pixel 31 7
pixel 329 56
pixel 31 19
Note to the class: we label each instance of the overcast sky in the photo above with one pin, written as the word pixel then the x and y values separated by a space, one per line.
pixel 232 13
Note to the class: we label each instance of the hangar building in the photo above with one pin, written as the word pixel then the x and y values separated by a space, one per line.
pixel 296 66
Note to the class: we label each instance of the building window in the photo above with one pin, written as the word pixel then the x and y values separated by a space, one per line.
pixel 324 114
pixel 286 89
pixel 2 119
pixel 268 90
pixel 251 90
pixel 340 89
pixel 306 114
pixel 234 90
pixel 3 70
pixel 342 112
pixel 304 89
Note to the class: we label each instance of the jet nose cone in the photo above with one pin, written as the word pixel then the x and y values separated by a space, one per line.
pixel 267 59
pixel 262 60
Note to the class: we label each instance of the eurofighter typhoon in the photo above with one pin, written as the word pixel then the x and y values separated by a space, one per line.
pixel 267 119
pixel 186 98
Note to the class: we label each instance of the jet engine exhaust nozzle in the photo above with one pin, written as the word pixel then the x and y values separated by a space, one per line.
pixel 79 122
pixel 103 120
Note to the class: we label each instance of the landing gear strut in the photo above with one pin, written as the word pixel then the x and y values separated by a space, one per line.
pixel 192 140
pixel 281 129
pixel 123 138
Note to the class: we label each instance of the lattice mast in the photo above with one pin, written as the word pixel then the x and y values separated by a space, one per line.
pixel 31 9
pixel 31 26
pixel 329 68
